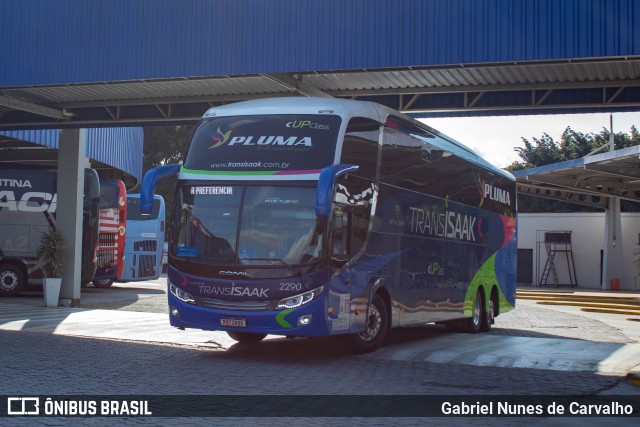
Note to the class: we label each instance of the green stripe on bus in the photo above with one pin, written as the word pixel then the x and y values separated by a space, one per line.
pixel 486 275
pixel 281 320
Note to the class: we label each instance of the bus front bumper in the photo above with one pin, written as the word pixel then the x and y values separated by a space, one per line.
pixel 308 320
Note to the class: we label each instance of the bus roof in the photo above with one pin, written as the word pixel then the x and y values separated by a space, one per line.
pixel 348 108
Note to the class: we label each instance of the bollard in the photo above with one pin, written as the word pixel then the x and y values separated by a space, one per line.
pixel 615 284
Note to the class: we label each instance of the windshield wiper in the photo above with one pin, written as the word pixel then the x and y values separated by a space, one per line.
pixel 281 261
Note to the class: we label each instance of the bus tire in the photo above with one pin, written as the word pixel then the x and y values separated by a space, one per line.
pixel 11 280
pixel 245 337
pixel 104 283
pixel 377 325
pixel 473 324
pixel 488 315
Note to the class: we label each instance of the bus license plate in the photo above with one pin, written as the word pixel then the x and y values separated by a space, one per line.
pixel 237 323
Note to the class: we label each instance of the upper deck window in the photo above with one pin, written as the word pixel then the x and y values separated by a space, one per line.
pixel 360 146
pixel 264 144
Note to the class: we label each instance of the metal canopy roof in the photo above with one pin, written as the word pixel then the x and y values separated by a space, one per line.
pixel 611 84
pixel 114 62
pixel 588 181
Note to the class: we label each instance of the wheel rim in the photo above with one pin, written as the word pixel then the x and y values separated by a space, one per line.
pixel 8 280
pixel 491 311
pixel 477 309
pixel 374 323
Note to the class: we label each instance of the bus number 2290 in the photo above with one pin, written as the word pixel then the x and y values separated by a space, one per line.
pixel 290 286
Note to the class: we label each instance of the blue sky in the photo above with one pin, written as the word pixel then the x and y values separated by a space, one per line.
pixel 496 137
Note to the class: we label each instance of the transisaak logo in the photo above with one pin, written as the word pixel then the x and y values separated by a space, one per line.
pixel 219 137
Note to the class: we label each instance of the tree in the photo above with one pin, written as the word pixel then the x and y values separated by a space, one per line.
pixel 572 145
pixel 543 151
pixel 165 145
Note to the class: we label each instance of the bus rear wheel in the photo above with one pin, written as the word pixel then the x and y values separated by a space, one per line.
pixel 488 316
pixel 11 280
pixel 376 328
pixel 471 324
pixel 104 283
pixel 246 338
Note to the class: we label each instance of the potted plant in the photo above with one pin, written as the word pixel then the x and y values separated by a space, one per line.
pixel 51 252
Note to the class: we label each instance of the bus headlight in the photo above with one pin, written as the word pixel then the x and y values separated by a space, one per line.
pixel 300 299
pixel 182 295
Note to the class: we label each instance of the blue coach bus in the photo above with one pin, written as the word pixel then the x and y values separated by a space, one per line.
pixel 144 240
pixel 317 217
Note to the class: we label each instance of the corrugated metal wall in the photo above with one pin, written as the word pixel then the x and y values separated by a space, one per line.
pixel 117 147
pixel 49 138
pixel 49 42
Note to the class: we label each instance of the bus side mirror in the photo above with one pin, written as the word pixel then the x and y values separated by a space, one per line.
pixel 326 183
pixel 149 182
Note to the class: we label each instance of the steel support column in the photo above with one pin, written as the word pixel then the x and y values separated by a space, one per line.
pixel 71 164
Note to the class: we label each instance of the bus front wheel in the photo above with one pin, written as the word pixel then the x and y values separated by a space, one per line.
pixel 246 338
pixel 376 328
pixel 11 280
pixel 104 283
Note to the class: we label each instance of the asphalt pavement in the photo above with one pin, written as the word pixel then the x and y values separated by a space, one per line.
pixel 534 349
pixel 534 335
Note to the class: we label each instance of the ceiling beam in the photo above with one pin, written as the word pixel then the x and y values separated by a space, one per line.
pixel 484 88
pixel 17 104
pixel 575 197
pixel 296 84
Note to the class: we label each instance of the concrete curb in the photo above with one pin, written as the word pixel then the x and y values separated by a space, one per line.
pixel 595 303
pixel 633 377
pixel 610 311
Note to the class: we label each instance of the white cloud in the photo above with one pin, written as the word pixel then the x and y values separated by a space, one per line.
pixel 495 137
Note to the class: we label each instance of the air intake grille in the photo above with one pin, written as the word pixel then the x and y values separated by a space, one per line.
pixel 145 246
pixel 146 266
pixel 236 305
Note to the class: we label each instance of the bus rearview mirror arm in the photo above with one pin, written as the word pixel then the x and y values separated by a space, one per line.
pixel 326 182
pixel 149 182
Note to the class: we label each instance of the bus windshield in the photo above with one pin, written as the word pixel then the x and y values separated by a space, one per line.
pixel 250 225
pixel 133 210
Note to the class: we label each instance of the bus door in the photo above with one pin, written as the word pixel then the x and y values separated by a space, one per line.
pixel 122 228
pixel 111 232
pixel 349 231
pixel 90 219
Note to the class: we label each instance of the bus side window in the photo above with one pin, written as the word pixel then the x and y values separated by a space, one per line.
pixel 340 230
pixel 356 190
pixel 349 228
pixel 409 160
pixel 360 147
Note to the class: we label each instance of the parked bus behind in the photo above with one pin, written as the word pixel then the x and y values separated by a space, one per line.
pixel 145 240
pixel 28 201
